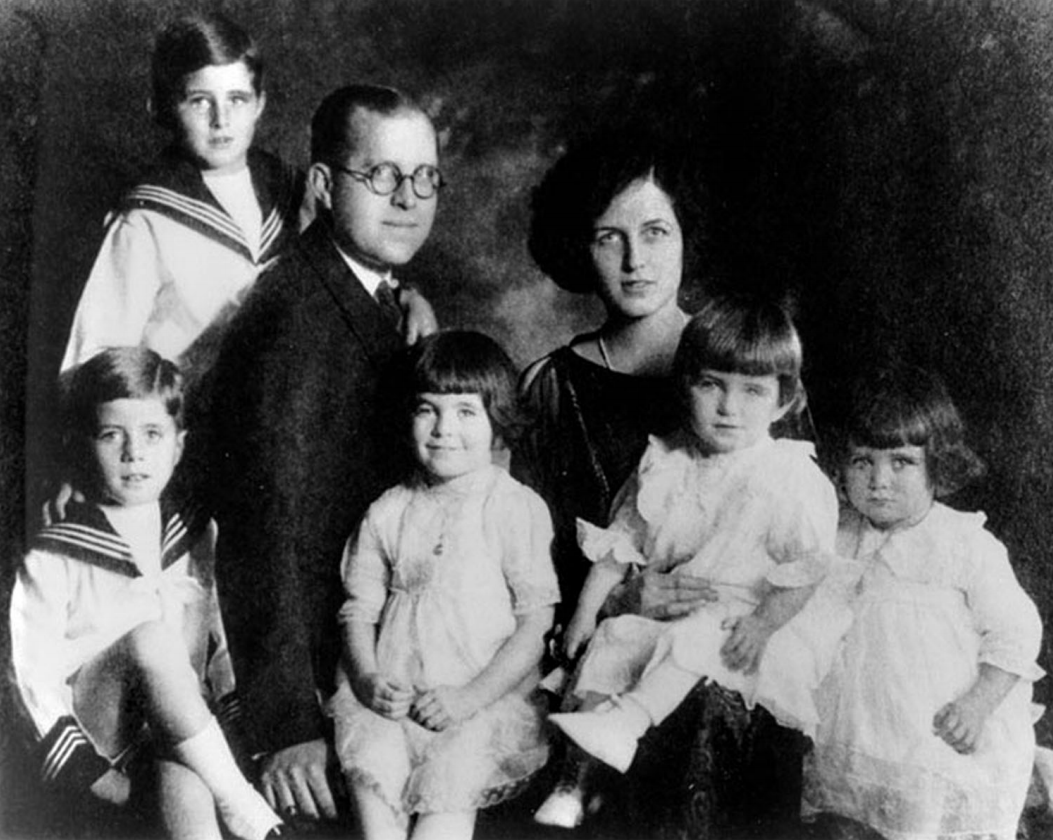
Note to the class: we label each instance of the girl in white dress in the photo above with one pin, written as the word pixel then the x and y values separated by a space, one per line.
pixel 723 501
pixel 450 592
pixel 925 720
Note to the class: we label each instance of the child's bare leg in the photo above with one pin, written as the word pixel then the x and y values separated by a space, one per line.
pixel 376 818
pixel 150 664
pixel 449 826
pixel 188 811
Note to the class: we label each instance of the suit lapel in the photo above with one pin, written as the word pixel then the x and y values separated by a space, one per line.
pixel 359 311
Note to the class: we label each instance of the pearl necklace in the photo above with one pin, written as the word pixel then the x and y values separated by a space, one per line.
pixel 603 354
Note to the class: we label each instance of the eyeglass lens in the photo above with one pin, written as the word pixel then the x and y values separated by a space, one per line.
pixel 385 178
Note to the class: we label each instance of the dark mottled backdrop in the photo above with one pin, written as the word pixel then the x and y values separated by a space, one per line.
pixel 891 161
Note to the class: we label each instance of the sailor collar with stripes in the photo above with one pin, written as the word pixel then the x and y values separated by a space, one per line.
pixel 175 188
pixel 87 535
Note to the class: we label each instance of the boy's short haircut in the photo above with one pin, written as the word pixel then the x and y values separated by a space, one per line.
pixel 121 373
pixel 464 362
pixel 190 43
pixel 903 405
pixel 335 133
pixel 743 334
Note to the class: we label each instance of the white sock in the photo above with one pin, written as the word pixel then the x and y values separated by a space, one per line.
pixel 244 811
pixel 662 689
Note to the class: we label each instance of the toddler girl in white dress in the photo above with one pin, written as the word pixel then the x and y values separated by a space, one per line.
pixel 925 719
pixel 723 501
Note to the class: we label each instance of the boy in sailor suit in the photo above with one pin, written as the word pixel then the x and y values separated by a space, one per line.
pixel 188 241
pixel 116 634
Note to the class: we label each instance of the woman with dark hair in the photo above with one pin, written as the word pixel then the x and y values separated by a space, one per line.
pixel 616 217
pixel 622 216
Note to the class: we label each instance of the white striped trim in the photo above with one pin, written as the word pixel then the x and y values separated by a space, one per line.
pixel 175 530
pixel 90 538
pixel 199 210
pixel 67 743
pixel 271 230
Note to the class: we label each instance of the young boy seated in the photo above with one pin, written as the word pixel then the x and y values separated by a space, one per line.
pixel 115 627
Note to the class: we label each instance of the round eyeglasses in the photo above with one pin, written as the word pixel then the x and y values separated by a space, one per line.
pixel 386 178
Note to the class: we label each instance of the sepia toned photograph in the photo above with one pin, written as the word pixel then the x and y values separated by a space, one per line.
pixel 526 419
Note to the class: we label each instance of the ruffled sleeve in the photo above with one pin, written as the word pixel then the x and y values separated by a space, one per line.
pixel 527 550
pixel 623 541
pixel 1005 617
pixel 366 570
pixel 805 514
pixel 599 544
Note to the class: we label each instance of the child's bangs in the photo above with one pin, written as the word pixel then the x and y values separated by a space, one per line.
pixel 889 429
pixel 751 356
pixel 449 376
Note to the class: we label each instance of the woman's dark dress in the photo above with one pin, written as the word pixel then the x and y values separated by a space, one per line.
pixel 589 429
pixel 713 769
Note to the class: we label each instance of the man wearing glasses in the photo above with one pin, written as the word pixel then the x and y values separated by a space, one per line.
pixel 301 446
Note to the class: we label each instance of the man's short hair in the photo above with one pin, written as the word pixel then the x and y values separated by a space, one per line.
pixel 334 131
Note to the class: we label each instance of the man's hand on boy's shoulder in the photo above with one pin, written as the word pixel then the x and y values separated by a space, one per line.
pixel 295 780
pixel 54 509
pixel 419 319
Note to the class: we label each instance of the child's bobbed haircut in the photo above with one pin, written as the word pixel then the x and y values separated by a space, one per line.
pixel 903 405
pixel 465 362
pixel 335 132
pixel 121 373
pixel 747 335
pixel 190 43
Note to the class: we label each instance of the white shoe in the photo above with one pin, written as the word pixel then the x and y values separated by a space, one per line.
pixel 250 817
pixel 563 808
pixel 609 732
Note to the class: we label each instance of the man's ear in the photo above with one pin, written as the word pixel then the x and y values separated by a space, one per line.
pixel 320 178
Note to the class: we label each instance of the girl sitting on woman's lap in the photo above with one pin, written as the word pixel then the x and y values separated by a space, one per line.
pixel 723 501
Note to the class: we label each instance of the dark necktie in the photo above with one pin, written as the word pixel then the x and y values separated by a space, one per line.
pixel 385 297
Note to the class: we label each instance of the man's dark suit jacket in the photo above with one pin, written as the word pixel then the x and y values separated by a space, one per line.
pixel 301 446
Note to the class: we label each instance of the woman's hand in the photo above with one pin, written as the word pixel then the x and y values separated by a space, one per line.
pixel 660 595
pixel 383 696
pixel 579 631
pixel 744 647
pixel 442 707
